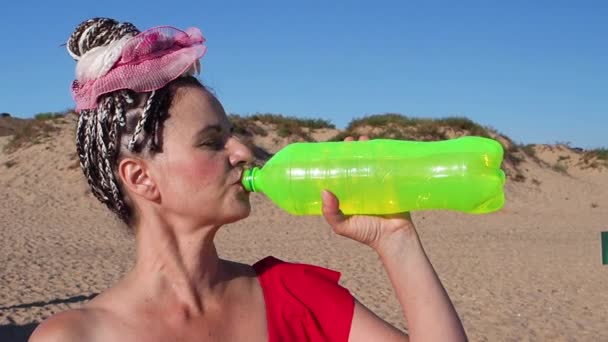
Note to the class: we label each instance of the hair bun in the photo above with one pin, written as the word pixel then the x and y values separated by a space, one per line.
pixel 97 32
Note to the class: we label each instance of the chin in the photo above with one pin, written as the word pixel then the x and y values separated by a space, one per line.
pixel 238 212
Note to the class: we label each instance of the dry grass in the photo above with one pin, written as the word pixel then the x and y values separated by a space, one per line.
pixel 48 116
pixel 9 163
pixel 285 126
pixel 596 158
pixel 600 153
pixel 398 126
pixel 519 177
pixel 292 126
pixel 34 131
pixel 560 168
pixel 529 150
pixel 280 119
pixel 9 125
pixel 246 127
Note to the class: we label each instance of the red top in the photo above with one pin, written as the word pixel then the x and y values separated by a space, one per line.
pixel 304 302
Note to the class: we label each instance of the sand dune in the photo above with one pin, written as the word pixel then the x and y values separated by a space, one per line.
pixel 531 272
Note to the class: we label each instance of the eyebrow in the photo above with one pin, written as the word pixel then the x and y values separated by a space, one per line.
pixel 211 129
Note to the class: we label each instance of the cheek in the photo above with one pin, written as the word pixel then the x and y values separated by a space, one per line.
pixel 196 173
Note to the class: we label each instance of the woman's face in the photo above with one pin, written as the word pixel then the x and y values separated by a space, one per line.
pixel 199 169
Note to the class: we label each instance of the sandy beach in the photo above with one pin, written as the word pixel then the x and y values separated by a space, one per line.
pixel 530 272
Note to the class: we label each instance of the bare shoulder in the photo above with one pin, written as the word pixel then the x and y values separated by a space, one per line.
pixel 70 325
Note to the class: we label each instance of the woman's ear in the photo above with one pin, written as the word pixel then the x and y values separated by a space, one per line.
pixel 137 179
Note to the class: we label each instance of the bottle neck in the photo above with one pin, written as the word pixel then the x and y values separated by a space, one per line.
pixel 248 179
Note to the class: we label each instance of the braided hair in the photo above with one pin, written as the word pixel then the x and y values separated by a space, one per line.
pixel 123 121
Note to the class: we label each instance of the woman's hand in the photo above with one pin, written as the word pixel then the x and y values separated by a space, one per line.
pixel 373 231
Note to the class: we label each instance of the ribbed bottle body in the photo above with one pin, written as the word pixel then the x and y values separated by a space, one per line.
pixel 386 176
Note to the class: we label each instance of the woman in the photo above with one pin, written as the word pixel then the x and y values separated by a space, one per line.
pixel 157 148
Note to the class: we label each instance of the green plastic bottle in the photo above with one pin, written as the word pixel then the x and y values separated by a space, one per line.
pixel 384 176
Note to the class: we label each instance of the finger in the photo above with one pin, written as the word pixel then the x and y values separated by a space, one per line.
pixel 404 215
pixel 363 138
pixel 349 138
pixel 331 209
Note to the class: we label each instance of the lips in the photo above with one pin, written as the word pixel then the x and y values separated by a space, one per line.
pixel 239 176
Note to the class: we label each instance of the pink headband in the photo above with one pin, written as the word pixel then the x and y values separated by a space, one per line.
pixel 143 63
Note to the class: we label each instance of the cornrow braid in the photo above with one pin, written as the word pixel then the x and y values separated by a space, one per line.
pixel 82 146
pixel 142 121
pixel 147 129
pixel 98 144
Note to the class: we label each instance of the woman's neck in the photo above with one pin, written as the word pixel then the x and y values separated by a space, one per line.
pixel 180 266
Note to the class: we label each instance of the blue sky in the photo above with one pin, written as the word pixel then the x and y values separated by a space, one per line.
pixel 536 71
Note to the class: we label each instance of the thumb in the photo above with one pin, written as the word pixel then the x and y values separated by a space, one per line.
pixel 331 209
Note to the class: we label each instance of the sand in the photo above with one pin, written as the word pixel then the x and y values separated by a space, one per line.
pixel 531 272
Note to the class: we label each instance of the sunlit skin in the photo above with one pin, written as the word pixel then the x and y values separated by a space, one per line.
pixel 200 166
pixel 179 288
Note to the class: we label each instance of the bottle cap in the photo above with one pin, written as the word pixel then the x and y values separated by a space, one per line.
pixel 248 178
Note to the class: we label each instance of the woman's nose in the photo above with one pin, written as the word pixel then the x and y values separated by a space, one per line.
pixel 240 153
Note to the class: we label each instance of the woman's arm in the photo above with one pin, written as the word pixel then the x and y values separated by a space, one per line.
pixel 428 310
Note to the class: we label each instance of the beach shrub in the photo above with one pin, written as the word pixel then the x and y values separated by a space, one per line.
pixel 599 153
pixel 398 126
pixel 280 119
pixel 285 126
pixel 48 115
pixel 529 150
pixel 596 158
pixel 246 127
pixel 381 120
pixel 559 167
pixel 513 158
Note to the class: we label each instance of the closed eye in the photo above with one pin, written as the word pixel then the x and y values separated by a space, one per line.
pixel 212 136
pixel 215 143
